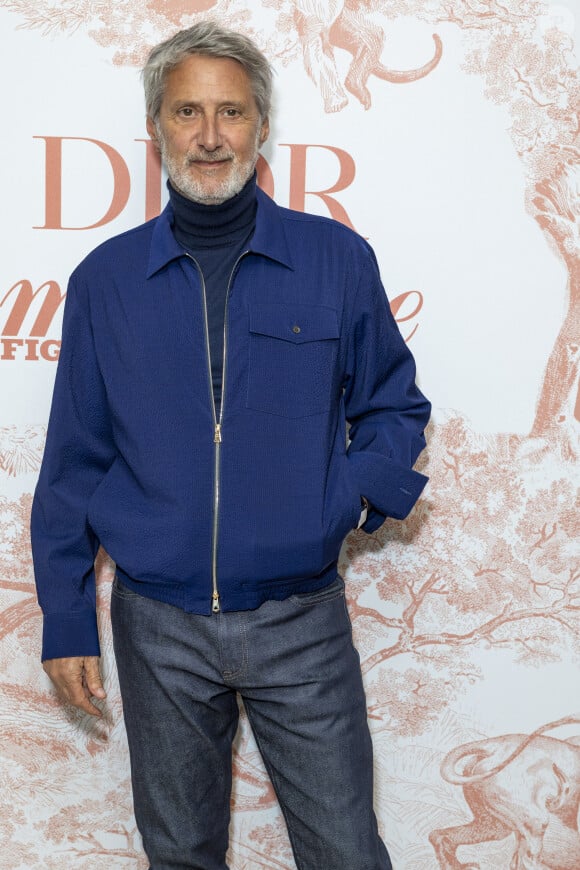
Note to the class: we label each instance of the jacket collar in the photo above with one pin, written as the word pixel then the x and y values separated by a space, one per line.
pixel 269 238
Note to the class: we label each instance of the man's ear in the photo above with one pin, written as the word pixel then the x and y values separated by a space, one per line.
pixel 152 130
pixel 264 131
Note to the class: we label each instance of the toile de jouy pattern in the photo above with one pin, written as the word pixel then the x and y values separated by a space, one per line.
pixel 484 574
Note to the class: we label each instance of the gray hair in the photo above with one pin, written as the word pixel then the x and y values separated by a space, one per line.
pixel 206 38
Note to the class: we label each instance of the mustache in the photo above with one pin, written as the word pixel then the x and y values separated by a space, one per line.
pixel 210 157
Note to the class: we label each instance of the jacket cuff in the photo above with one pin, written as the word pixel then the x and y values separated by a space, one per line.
pixel 374 521
pixel 70 634
pixel 392 489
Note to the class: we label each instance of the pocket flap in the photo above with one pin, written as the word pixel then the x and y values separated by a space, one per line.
pixel 295 323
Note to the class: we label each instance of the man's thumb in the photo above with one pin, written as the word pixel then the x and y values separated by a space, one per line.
pixel 93 677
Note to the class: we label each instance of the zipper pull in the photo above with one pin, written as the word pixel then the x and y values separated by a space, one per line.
pixel 217 435
pixel 215 602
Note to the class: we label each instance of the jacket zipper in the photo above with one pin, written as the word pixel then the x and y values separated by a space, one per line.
pixel 217 436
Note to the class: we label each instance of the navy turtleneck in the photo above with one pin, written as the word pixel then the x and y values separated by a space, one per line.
pixel 215 235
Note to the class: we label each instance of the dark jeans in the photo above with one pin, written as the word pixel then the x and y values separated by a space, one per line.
pixel 294 665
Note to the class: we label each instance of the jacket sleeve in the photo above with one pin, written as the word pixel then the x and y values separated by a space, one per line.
pixel 386 410
pixel 78 452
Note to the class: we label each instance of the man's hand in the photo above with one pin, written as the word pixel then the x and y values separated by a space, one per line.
pixel 77 679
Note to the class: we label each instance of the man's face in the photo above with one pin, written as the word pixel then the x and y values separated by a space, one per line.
pixel 209 130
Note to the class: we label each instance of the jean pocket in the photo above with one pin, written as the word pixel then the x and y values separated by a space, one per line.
pixel 327 593
pixel 292 356
pixel 122 591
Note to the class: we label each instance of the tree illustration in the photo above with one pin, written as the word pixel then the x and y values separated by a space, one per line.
pixel 558 204
pixel 78 831
pixel 21 449
pixel 533 71
pixel 17 592
pixel 264 847
pixel 487 561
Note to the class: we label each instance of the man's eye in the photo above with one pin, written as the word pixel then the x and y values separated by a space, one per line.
pixel 186 112
pixel 231 113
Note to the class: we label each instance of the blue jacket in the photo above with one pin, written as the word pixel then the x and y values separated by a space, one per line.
pixel 208 513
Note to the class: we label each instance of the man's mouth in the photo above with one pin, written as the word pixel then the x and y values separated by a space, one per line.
pixel 204 162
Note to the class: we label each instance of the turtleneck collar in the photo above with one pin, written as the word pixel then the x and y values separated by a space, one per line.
pixel 214 226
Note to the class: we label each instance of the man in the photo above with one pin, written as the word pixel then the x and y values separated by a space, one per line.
pixel 210 361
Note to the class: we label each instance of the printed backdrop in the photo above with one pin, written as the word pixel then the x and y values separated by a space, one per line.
pixel 447 133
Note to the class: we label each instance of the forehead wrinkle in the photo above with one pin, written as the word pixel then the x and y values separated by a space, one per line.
pixel 197 80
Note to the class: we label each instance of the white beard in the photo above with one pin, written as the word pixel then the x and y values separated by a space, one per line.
pixel 208 192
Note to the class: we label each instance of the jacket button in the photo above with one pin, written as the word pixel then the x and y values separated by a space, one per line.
pixel 296 329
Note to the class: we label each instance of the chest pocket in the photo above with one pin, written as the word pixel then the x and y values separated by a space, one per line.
pixel 293 351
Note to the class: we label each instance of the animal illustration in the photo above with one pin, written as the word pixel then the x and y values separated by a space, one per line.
pixel 522 785
pixel 323 25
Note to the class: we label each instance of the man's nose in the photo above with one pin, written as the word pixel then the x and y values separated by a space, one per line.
pixel 209 135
